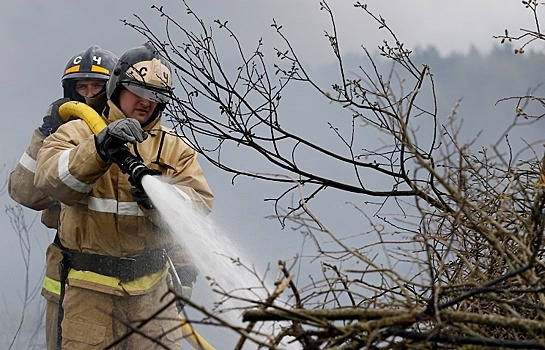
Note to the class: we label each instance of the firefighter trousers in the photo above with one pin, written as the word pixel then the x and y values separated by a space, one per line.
pixel 95 320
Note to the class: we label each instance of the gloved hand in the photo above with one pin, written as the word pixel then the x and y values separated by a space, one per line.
pixel 141 198
pixel 52 120
pixel 187 275
pixel 118 134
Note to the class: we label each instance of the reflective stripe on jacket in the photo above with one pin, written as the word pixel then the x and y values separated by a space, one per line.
pixel 51 287
pixel 98 214
pixel 112 285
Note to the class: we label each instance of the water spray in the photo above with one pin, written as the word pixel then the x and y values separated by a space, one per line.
pixel 133 166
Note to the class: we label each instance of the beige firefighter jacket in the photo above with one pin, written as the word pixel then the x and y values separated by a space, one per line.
pixel 21 184
pixel 98 214
pixel 22 190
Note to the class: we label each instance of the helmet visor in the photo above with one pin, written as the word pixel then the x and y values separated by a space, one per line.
pixel 149 92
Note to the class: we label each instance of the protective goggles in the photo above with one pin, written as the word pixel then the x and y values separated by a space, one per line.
pixel 148 92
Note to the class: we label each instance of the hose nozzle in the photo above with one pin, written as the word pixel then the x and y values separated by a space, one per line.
pixel 131 165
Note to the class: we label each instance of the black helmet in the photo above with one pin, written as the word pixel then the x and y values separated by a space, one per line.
pixel 145 73
pixel 91 64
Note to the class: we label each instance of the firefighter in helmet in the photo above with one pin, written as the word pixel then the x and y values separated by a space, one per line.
pixel 115 249
pixel 84 80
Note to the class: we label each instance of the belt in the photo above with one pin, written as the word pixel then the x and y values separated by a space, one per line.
pixel 125 268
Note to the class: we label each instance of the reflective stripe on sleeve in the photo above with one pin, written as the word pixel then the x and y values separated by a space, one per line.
pixel 67 178
pixel 27 162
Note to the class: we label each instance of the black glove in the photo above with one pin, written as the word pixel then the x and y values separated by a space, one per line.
pixel 187 275
pixel 52 120
pixel 117 134
pixel 141 198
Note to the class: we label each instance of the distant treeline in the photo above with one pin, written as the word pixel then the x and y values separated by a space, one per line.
pixel 478 81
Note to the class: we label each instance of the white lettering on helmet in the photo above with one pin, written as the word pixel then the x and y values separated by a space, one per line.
pixel 77 59
pixel 97 59
pixel 152 72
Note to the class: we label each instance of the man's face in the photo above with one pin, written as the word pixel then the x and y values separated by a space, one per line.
pixel 134 106
pixel 89 88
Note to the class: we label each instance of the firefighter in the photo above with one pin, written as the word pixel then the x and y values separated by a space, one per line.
pixel 84 80
pixel 115 250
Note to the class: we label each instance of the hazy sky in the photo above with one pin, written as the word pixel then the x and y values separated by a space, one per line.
pixel 38 37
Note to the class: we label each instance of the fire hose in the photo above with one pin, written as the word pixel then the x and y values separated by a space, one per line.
pixel 133 166
pixel 127 162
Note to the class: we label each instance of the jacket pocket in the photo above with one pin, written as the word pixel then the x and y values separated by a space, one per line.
pixel 76 333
